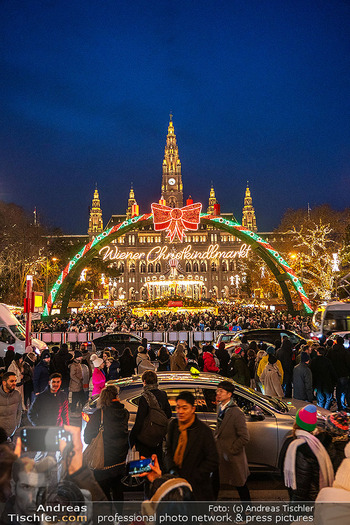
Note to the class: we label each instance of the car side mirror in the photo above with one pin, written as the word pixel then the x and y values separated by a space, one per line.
pixel 256 414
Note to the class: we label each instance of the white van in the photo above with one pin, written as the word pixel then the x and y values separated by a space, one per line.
pixel 331 317
pixel 13 333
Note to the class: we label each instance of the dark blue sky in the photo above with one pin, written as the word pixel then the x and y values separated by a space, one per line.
pixel 259 89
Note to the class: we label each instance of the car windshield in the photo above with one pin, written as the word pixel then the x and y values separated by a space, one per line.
pixel 18 331
pixel 273 402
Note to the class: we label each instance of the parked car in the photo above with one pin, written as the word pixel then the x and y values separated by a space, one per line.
pixel 269 419
pixel 267 335
pixel 120 340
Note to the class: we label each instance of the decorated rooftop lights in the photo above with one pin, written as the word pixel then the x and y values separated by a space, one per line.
pixel 193 219
pixel 176 220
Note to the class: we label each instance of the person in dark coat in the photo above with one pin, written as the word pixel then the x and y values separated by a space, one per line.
pixel 302 380
pixel 60 364
pixel 238 368
pixel 50 407
pixel 231 438
pixel 191 451
pixel 28 374
pixel 163 359
pixel 307 465
pixel 127 363
pixel 9 357
pixel 112 369
pixel 324 378
pixel 285 355
pixel 150 384
pixel 224 358
pixel 42 373
pixel 340 358
pixel 115 441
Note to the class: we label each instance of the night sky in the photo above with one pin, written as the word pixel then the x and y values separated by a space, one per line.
pixel 259 90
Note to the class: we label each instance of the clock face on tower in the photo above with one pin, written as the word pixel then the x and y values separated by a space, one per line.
pixel 172 182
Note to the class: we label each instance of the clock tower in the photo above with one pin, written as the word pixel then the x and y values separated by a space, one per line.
pixel 172 189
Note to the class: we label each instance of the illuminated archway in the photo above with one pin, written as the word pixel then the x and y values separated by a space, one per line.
pixel 278 266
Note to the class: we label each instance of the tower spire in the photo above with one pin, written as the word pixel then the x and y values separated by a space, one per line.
pixel 95 219
pixel 172 189
pixel 248 219
pixel 131 202
pixel 212 200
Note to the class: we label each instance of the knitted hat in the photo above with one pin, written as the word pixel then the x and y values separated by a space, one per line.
pixel 11 348
pixel 270 350
pixel 45 353
pixel 338 423
pixel 304 357
pixel 96 361
pixel 77 353
pixel 238 350
pixel 227 385
pixel 306 418
pixel 342 477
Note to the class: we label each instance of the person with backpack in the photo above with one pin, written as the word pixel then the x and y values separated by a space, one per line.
pixel 151 422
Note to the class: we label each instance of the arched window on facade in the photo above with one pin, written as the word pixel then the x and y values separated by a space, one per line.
pixel 224 266
pixel 142 267
pixel 232 266
pixel 158 268
pixel 195 266
pixel 213 266
pixel 188 267
pixel 132 267
pixel 121 267
pixel 203 266
pixel 150 268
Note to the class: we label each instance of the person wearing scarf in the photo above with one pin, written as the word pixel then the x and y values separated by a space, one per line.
pixel 307 465
pixel 191 450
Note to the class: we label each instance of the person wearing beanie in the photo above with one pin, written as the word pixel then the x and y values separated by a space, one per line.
pixel 224 358
pixel 231 437
pixel 9 357
pixel 263 362
pixel 302 379
pixel 98 377
pixel 76 381
pixel 326 512
pixel 238 368
pixel 42 373
pixel 307 465
pixel 271 378
pixel 337 427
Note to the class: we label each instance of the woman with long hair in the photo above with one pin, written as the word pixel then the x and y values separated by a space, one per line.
pixel 114 417
pixel 127 363
pixel 163 359
pixel 98 377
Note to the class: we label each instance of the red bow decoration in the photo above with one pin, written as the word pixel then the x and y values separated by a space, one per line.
pixel 176 220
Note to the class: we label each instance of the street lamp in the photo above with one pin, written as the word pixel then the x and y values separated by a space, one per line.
pixel 54 259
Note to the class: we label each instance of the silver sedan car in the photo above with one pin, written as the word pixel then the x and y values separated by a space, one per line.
pixel 269 419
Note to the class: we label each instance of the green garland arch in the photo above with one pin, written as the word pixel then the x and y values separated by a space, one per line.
pixel 279 267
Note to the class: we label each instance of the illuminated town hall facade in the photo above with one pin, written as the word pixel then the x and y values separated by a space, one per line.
pixel 208 263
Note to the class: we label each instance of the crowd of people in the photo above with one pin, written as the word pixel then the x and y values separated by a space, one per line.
pixel 121 319
pixel 49 388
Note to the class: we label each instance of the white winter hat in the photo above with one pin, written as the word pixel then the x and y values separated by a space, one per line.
pixel 342 477
pixel 96 361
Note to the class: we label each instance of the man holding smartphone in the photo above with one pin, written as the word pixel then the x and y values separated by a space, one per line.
pixel 50 408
